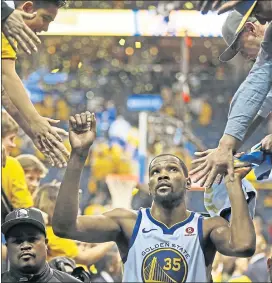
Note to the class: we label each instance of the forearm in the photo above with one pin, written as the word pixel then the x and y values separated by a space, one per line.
pixel 15 114
pixel 248 99
pixel 93 255
pixel 19 97
pixel 66 209
pixel 242 233
pixel 254 125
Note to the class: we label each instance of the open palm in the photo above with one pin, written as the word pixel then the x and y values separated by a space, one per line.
pixel 82 132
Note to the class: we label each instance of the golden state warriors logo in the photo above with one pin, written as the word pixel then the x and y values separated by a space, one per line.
pixel 164 265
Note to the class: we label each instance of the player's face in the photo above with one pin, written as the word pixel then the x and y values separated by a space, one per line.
pixel 44 17
pixel 167 183
pixel 27 248
pixel 9 142
pixel 33 178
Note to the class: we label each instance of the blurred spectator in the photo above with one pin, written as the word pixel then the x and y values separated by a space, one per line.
pixel 14 186
pixel 257 269
pixel 109 268
pixel 241 265
pixel 34 170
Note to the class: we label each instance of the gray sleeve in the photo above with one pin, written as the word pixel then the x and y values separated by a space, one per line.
pixel 252 93
pixel 267 105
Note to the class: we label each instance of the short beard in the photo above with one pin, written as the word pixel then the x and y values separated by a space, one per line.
pixel 170 201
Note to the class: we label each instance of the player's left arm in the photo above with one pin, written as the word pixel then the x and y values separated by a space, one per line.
pixel 238 237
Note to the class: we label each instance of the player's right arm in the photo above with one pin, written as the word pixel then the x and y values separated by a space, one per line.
pixel 66 222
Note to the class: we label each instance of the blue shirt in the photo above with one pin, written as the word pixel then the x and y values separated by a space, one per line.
pixel 252 93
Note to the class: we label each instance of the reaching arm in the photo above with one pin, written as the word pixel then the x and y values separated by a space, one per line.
pixel 14 113
pixel 239 238
pixel 92 255
pixel 252 93
pixel 66 222
pixel 16 91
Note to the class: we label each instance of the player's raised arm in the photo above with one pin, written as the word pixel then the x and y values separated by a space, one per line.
pixel 66 222
pixel 237 238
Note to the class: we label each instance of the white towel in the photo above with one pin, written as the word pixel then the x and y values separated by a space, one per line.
pixel 217 202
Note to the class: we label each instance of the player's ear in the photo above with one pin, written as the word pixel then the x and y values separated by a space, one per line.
pixel 188 183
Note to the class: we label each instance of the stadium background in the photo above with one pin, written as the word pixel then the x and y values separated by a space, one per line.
pixel 99 68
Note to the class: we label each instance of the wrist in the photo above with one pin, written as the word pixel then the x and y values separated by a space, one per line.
pixel 228 142
pixel 82 154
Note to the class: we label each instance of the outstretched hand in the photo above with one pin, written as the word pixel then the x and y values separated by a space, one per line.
pixel 221 6
pixel 15 28
pixel 211 163
pixel 82 132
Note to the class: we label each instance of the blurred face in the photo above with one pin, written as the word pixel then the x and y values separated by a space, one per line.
pixel 251 39
pixel 33 178
pixel 27 249
pixel 167 183
pixel 9 142
pixel 44 16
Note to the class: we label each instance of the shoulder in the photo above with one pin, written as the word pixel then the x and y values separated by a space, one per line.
pixel 13 166
pixel 121 213
pixel 11 161
pixel 5 277
pixel 64 277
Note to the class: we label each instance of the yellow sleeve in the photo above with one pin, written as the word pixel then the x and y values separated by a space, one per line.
pixel 59 246
pixel 7 50
pixel 14 184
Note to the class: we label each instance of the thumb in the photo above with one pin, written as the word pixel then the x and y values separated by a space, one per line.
pixel 28 16
pixel 53 121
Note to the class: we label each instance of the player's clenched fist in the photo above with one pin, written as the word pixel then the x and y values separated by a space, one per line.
pixel 82 132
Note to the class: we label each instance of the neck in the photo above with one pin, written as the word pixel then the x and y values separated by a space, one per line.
pixel 18 274
pixel 170 216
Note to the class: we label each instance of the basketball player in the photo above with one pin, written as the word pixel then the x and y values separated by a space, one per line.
pixel 164 243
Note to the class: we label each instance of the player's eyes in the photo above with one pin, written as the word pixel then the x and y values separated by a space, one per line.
pixel 174 169
pixel 154 172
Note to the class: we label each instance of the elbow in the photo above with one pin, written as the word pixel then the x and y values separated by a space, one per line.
pixel 59 229
pixel 246 249
pixel 62 230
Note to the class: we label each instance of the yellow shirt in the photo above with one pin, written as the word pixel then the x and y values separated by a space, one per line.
pixel 7 50
pixel 240 279
pixel 14 184
pixel 59 246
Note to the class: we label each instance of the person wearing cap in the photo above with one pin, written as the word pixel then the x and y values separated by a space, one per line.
pixel 248 44
pixel 245 104
pixel 26 242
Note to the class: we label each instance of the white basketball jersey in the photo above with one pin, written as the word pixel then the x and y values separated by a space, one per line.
pixel 161 254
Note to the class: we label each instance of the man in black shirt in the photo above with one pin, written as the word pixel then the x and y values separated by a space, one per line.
pixel 25 234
